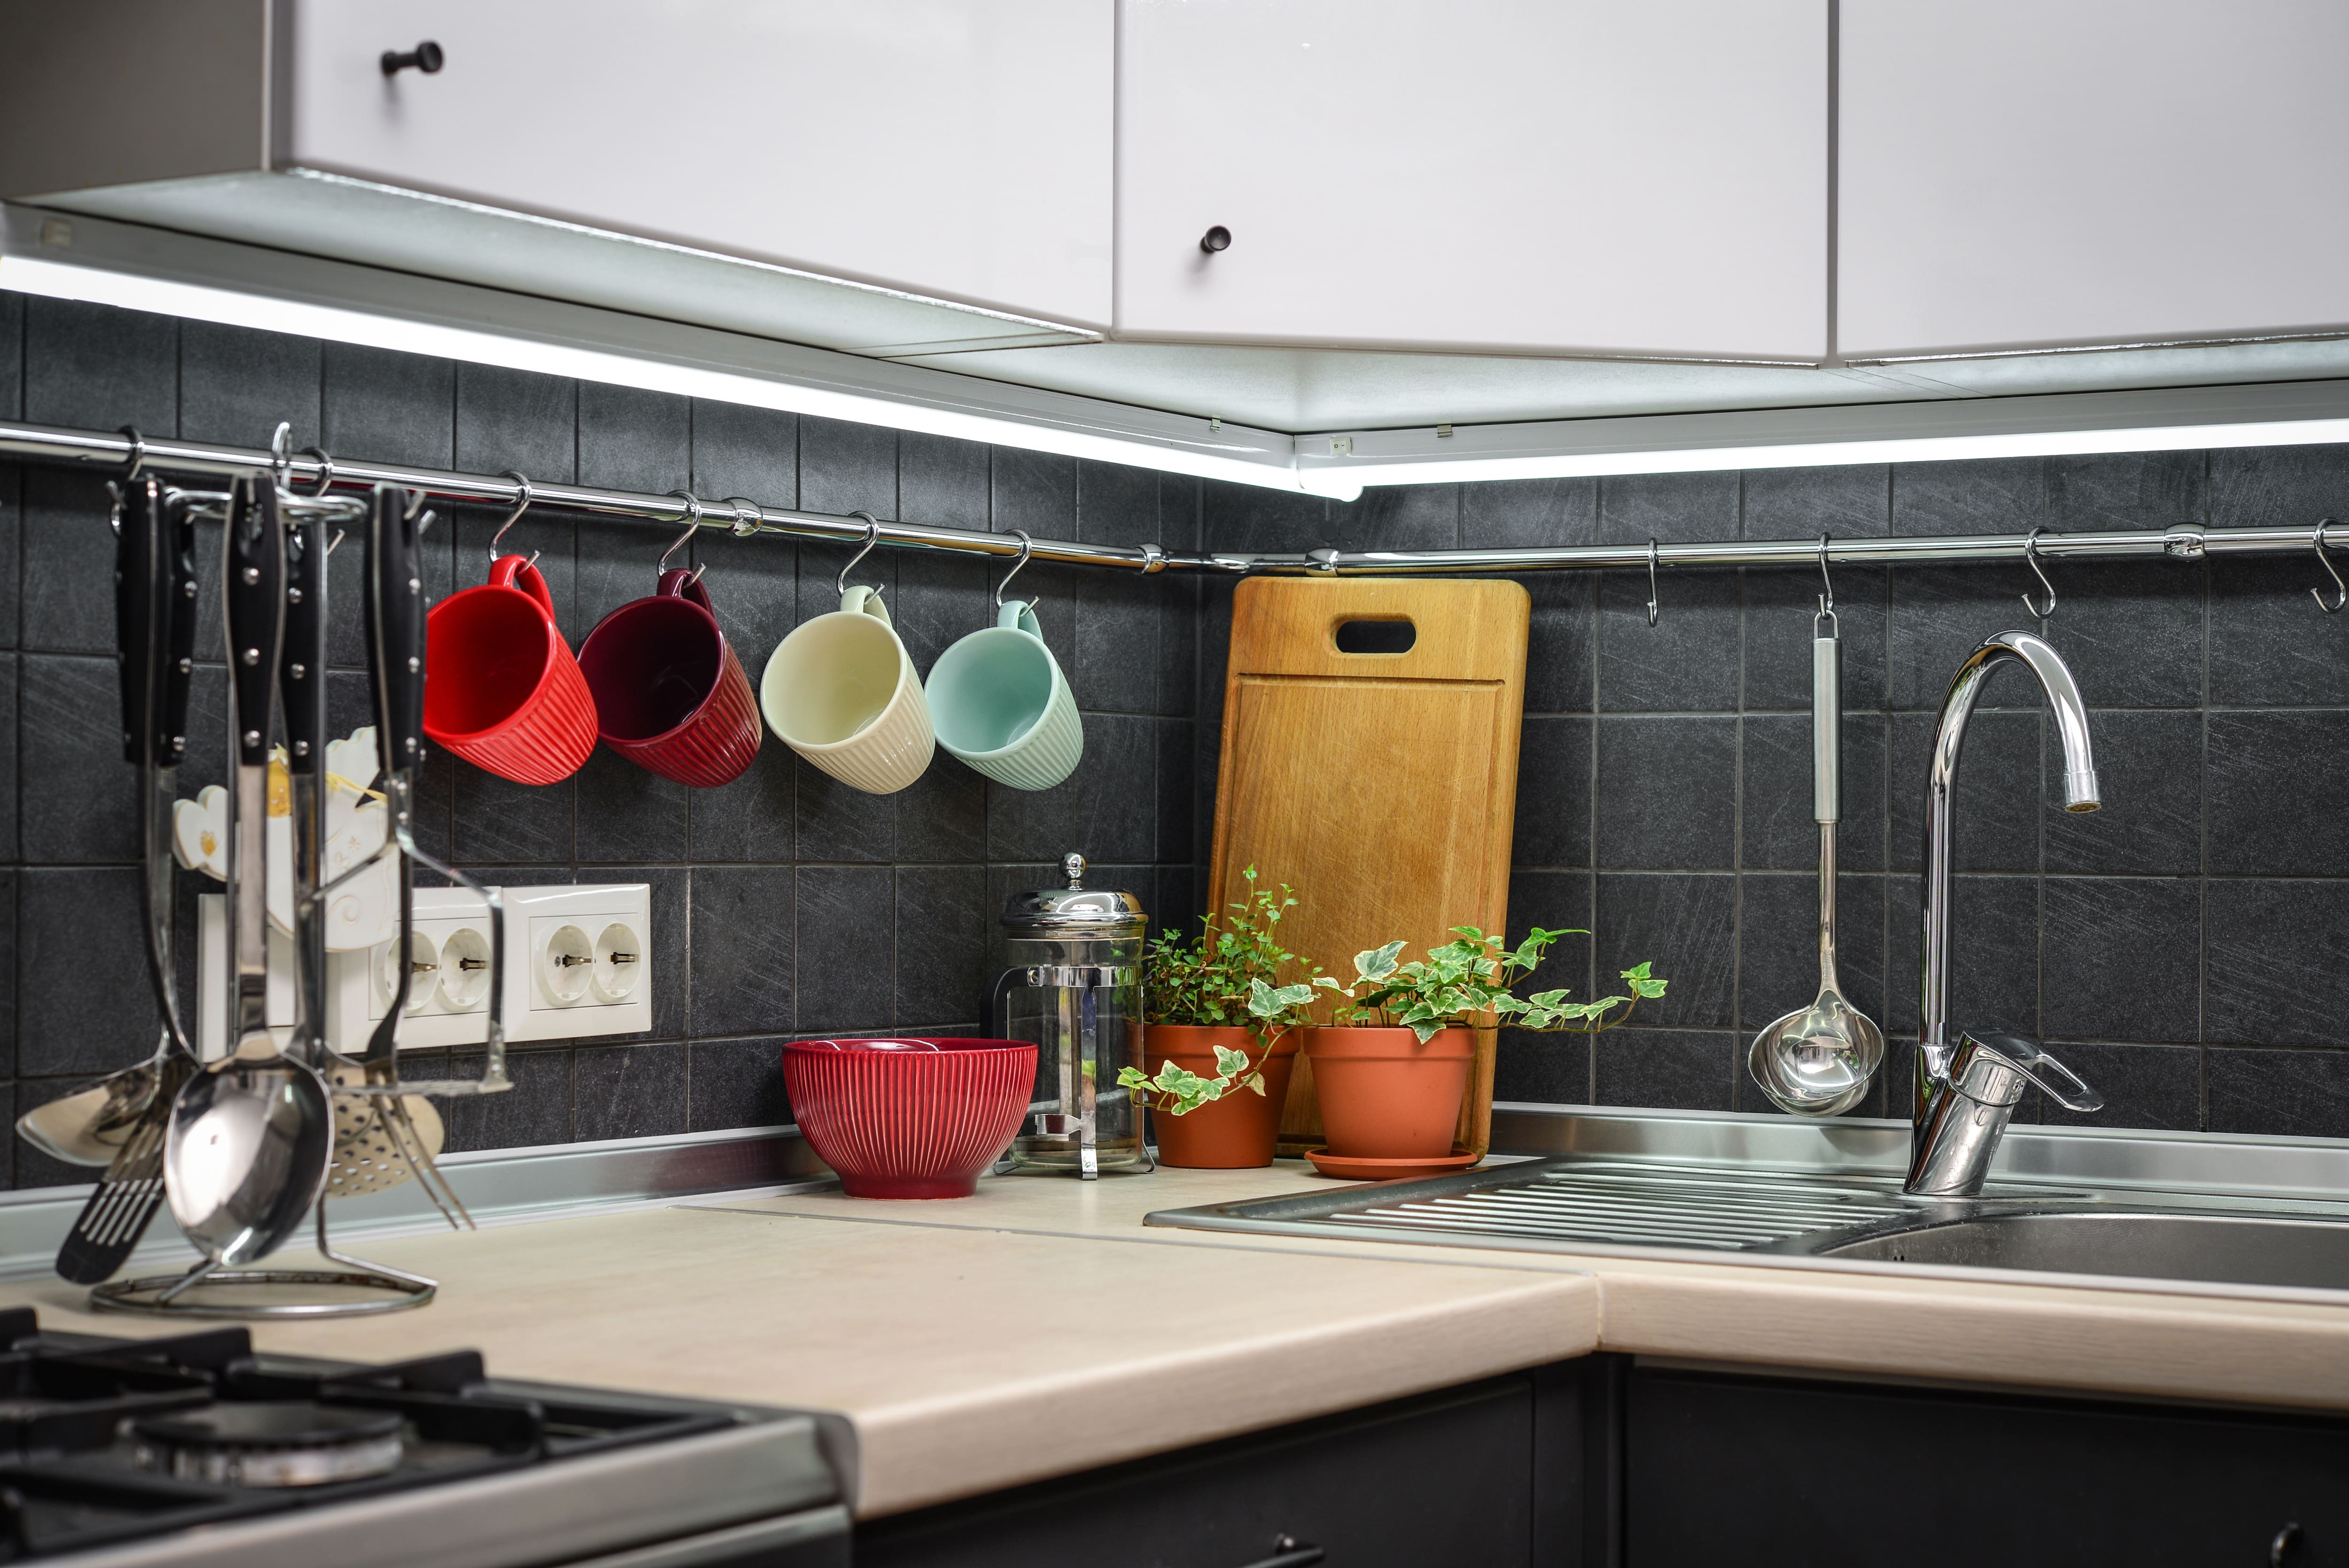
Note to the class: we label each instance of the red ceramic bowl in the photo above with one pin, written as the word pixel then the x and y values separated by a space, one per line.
pixel 909 1118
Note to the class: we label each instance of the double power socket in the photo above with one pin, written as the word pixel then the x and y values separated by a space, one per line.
pixel 578 962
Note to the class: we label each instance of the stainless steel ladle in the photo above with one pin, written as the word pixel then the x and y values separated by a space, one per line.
pixel 1819 1060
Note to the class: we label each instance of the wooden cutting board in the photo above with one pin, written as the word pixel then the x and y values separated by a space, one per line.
pixel 1381 786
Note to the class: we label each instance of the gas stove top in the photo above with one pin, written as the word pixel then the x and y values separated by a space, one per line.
pixel 194 1449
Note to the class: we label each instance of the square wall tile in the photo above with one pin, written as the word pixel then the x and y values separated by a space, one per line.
pixel 1851 501
pixel 2276 963
pixel 1685 926
pixel 236 383
pixel 2279 793
pixel 2123 958
pixel 2141 1084
pixel 1554 793
pixel 2280 1093
pixel 387 406
pixel 1666 1070
pixel 1779 819
pixel 628 1091
pixel 1671 509
pixel 99 366
pixel 1687 661
pixel 743 923
pixel 1667 793
pixel 1504 514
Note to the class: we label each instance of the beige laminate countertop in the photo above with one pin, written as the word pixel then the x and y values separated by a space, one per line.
pixel 1039 1329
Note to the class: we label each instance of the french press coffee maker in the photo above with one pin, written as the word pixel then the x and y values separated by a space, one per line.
pixel 1074 987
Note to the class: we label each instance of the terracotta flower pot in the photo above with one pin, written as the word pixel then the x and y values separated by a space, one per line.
pixel 1385 1095
pixel 1236 1132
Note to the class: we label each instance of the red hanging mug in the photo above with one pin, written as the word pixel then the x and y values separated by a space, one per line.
pixel 501 689
pixel 670 695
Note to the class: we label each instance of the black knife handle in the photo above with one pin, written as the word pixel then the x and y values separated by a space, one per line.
pixel 138 595
pixel 303 689
pixel 181 605
pixel 254 583
pixel 394 618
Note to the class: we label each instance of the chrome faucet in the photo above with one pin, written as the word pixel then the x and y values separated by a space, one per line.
pixel 1967 1087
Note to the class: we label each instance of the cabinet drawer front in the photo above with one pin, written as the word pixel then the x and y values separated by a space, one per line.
pixel 959 148
pixel 1441 1483
pixel 1537 174
pixel 1763 1472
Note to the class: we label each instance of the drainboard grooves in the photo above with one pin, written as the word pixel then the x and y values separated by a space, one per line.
pixel 1659 1207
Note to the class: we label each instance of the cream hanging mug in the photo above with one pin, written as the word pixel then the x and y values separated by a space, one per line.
pixel 842 691
pixel 1000 701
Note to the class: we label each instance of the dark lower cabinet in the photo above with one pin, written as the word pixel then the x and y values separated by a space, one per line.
pixel 1607 1462
pixel 1762 1471
pixel 1445 1481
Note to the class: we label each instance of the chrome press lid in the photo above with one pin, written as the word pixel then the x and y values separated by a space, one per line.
pixel 1075 910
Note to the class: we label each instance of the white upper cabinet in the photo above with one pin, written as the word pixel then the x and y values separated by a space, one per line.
pixel 957 149
pixel 2020 173
pixel 1641 179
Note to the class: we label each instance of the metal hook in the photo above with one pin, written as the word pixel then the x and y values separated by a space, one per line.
pixel 325 480
pixel 872 537
pixel 1027 547
pixel 522 483
pixel 693 526
pixel 1653 608
pixel 333 542
pixel 281 455
pixel 137 453
pixel 1826 600
pixel 2031 559
pixel 2340 589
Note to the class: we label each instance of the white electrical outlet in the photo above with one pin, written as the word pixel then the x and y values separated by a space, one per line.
pixel 578 962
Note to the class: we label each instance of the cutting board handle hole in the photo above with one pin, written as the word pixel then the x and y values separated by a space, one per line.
pixel 1394 636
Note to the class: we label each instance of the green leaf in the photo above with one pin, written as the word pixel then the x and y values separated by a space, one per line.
pixel 1255 1081
pixel 1377 963
pixel 1229 1061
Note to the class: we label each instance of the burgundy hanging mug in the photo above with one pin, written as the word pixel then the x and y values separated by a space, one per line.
pixel 670 695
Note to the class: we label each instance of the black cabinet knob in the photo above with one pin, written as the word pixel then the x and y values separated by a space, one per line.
pixel 1215 239
pixel 425 57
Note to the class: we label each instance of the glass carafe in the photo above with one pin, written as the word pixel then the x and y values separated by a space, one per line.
pixel 1074 987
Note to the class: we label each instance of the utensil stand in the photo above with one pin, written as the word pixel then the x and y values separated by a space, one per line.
pixel 177 1295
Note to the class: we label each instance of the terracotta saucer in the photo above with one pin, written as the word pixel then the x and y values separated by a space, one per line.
pixel 1354 1170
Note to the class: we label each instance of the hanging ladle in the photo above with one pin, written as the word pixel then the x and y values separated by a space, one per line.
pixel 1819 1060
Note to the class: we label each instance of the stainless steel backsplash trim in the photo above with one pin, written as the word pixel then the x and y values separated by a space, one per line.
pixel 2213 1162
pixel 500 1186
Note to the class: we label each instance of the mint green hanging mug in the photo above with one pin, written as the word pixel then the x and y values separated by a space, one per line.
pixel 999 702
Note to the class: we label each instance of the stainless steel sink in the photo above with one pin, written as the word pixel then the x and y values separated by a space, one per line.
pixel 2178 1211
pixel 2237 1249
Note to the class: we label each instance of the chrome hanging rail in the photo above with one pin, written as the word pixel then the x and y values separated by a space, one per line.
pixel 114 451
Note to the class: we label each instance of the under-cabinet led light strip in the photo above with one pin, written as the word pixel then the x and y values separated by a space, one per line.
pixel 206 280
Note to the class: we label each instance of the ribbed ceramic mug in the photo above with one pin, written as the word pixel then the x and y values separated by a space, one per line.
pixel 670 695
pixel 504 693
pixel 1001 703
pixel 842 691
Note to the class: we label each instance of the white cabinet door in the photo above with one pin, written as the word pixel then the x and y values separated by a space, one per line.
pixel 1642 177
pixel 954 148
pixel 2038 173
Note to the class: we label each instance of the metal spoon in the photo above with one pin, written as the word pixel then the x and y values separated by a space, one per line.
pixel 250 1136
pixel 1819 1060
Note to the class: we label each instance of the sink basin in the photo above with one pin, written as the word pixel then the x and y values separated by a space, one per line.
pixel 1788 1216
pixel 2233 1249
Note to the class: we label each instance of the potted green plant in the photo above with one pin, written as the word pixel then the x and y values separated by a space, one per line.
pixel 1390 1073
pixel 1223 1024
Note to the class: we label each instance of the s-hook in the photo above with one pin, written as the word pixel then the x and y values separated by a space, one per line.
pixel 1826 600
pixel 1652 609
pixel 138 458
pixel 524 496
pixel 325 482
pixel 872 538
pixel 692 526
pixel 1027 547
pixel 2340 589
pixel 2031 559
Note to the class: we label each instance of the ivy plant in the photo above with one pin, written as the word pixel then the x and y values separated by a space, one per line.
pixel 1470 982
pixel 1227 975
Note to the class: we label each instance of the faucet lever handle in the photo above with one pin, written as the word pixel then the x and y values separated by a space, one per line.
pixel 2021 1057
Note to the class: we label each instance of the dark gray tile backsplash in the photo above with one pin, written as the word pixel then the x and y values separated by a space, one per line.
pixel 2187 948
pixel 2184 947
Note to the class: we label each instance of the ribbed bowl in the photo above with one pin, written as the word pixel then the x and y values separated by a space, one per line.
pixel 909 1118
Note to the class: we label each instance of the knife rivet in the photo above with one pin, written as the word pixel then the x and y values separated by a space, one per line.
pixel 414 586
pixel 187 666
pixel 298 671
pixel 414 664
pixel 252 738
pixel 252 657
pixel 190 590
pixel 293 595
pixel 301 748
pixel 252 574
